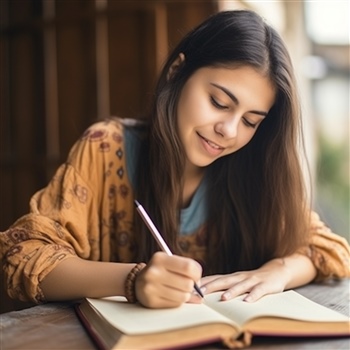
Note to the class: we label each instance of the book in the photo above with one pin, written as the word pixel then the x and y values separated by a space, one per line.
pixel 116 324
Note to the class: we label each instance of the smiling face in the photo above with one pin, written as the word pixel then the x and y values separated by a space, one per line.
pixel 219 111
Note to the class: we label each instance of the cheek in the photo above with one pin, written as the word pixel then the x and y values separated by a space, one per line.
pixel 193 105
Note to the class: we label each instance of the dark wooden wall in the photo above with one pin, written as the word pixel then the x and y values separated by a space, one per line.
pixel 65 64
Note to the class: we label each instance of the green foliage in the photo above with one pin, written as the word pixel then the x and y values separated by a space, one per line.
pixel 333 186
pixel 333 168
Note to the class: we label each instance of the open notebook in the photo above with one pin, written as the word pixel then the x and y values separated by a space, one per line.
pixel 116 324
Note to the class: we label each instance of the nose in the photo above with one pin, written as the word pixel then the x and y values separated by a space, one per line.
pixel 228 128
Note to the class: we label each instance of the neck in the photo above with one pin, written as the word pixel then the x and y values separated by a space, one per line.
pixel 192 178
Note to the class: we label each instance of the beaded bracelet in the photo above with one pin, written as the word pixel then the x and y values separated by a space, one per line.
pixel 129 287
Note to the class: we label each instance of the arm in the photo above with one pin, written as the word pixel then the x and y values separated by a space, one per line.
pixel 83 216
pixel 326 256
pixel 329 252
pixel 75 278
pixel 71 219
pixel 274 276
pixel 167 281
pixel 298 269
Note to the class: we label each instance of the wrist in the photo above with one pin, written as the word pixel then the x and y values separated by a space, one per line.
pixel 279 266
pixel 275 263
pixel 129 286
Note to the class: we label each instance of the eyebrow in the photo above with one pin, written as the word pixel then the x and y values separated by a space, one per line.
pixel 235 99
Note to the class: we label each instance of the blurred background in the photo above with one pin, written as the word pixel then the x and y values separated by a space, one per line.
pixel 67 63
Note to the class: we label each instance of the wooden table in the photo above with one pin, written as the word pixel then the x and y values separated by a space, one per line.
pixel 56 326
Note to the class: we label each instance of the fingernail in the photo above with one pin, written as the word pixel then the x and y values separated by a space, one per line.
pixel 248 299
pixel 203 290
pixel 226 296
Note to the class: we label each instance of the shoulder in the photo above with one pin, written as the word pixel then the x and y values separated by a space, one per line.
pixel 105 138
pixel 113 128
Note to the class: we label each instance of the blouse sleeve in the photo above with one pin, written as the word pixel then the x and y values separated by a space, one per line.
pixel 329 252
pixel 64 219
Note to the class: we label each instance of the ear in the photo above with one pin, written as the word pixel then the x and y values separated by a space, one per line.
pixel 175 65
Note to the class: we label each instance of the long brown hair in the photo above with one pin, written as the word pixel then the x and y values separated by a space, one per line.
pixel 256 196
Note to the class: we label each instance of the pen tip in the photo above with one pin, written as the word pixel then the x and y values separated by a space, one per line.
pixel 136 203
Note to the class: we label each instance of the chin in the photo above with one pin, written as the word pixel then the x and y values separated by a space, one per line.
pixel 202 163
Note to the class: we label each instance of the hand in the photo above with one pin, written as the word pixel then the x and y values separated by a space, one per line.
pixel 167 281
pixel 272 277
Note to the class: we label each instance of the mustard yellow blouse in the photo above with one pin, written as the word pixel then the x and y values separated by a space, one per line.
pixel 87 210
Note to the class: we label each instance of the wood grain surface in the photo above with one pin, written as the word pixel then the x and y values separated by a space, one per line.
pixel 56 326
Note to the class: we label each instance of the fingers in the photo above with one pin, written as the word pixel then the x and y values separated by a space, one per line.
pixel 195 299
pixel 232 286
pixel 253 288
pixel 255 285
pixel 215 283
pixel 256 293
pixel 167 281
pixel 161 296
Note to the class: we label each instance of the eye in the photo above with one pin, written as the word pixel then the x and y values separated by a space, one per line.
pixel 248 123
pixel 216 104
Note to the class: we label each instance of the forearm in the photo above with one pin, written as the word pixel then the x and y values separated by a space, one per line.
pixel 298 269
pixel 76 278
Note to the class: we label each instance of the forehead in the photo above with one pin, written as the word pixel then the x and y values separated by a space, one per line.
pixel 234 70
pixel 246 82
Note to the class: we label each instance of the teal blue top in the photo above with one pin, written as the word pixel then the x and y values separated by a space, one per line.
pixel 192 217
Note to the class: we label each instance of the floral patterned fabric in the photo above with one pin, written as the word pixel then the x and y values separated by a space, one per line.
pixel 87 210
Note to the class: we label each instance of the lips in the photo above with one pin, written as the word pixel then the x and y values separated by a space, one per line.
pixel 210 146
pixel 213 144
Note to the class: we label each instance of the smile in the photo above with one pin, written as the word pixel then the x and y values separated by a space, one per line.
pixel 211 144
pixel 211 147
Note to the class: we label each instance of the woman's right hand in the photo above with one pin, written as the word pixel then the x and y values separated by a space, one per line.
pixel 168 281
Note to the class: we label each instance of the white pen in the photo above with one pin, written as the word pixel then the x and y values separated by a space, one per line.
pixel 158 237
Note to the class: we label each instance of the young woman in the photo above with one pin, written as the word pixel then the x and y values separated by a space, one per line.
pixel 216 167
